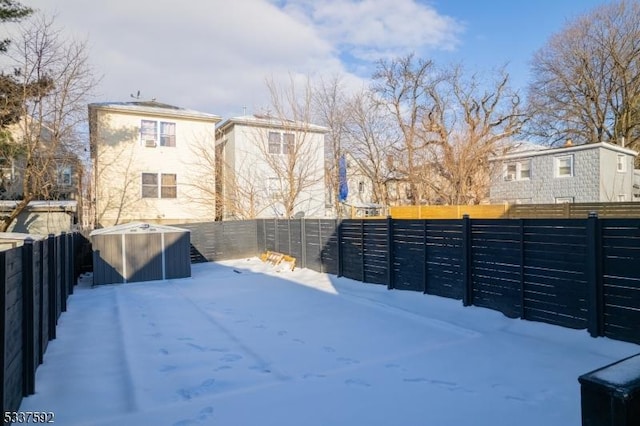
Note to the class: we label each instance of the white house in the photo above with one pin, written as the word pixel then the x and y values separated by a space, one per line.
pixel 598 172
pixel 152 162
pixel 269 167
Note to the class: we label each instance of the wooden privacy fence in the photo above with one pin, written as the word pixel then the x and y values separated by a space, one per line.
pixel 36 280
pixel 577 273
pixel 616 210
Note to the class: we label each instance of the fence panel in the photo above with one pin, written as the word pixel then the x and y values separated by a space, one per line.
pixel 555 271
pixel 313 246
pixel 375 249
pixel 296 240
pixel 11 265
pixel 329 244
pixel 408 255
pixel 496 265
pixel 621 278
pixel 444 258
pixel 351 249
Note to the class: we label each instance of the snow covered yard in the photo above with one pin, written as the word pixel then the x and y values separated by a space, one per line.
pixel 242 344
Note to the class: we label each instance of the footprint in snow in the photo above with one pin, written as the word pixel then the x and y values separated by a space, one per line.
pixel 206 387
pixel 348 361
pixel 167 368
pixel 230 357
pixel 357 382
pixel 163 351
pixel 328 349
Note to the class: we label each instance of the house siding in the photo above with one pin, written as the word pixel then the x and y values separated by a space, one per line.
pixel 244 162
pixel 120 159
pixel 594 179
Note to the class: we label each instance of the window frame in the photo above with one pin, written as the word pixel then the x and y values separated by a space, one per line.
pixel 621 166
pixel 158 188
pixel 274 146
pixel 513 170
pixel 61 169
pixel 170 137
pixel 557 166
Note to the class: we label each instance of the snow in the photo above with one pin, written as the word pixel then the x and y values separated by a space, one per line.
pixel 241 344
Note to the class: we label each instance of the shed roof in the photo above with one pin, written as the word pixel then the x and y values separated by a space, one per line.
pixel 137 227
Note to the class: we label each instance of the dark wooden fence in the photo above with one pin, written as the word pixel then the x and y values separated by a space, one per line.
pixel 36 279
pixel 577 273
pixel 212 241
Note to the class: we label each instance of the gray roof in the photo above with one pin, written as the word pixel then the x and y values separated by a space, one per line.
pixel 137 227
pixel 258 120
pixel 155 108
pixel 564 149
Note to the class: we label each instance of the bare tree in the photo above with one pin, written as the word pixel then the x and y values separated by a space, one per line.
pixel 330 106
pixel 297 172
pixel 586 79
pixel 372 138
pixel 56 79
pixel 467 123
pixel 405 86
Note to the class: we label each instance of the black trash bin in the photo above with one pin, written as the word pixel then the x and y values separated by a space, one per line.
pixel 611 395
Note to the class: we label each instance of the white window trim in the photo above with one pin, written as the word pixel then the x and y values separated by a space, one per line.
pixel 563 200
pixel 517 174
pixel 158 186
pixel 621 166
pixel 556 166
pixel 157 140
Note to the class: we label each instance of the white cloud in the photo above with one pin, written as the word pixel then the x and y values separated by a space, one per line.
pixel 371 29
pixel 215 55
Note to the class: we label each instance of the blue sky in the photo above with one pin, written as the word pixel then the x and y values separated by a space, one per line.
pixel 215 55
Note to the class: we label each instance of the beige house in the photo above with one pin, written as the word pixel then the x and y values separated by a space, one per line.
pixel 152 162
pixel 269 167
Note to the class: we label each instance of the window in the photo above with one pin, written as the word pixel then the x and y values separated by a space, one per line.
pixel 167 134
pixel 168 187
pixel 525 170
pixel 564 200
pixel 288 141
pixel 622 197
pixel 274 143
pixel 281 143
pixel 520 170
pixel 511 172
pixel 273 188
pixel 360 187
pixel 64 175
pixel 564 166
pixel 621 163
pixel 7 172
pixel 149 133
pixel 149 185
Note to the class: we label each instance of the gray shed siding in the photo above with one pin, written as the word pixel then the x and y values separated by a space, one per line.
pixel 128 256
pixel 107 259
pixel 595 178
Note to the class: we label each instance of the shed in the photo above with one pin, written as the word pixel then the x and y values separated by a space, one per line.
pixel 138 251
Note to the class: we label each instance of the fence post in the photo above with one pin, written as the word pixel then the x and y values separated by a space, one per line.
pixel 303 242
pixel 467 295
pixel 339 248
pixel 3 314
pixel 425 268
pixel 64 288
pixel 595 302
pixel 41 312
pixel 52 286
pixel 71 255
pixel 28 323
pixel 364 272
pixel 389 253
pixel 521 260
